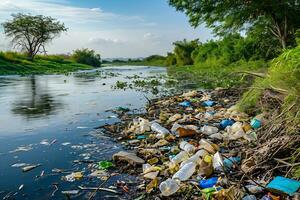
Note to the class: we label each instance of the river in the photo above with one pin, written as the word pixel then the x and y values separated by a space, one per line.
pixel 47 120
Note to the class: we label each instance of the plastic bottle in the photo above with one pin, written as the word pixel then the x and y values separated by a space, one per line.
pixel 205 166
pixel 204 144
pixel 196 157
pixel 162 132
pixel 169 187
pixel 182 156
pixel 175 127
pixel 208 130
pixel 249 197
pixel 187 147
pixel 185 172
pixel 218 162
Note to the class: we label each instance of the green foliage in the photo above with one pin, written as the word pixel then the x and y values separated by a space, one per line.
pixel 281 19
pixel 212 75
pixel 170 59
pixel 16 63
pixel 153 60
pixel 86 56
pixel 31 33
pixel 283 76
pixel 232 48
pixel 297 35
pixel 183 51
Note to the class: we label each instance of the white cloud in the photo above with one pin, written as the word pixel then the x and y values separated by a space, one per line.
pixel 64 12
pixel 110 34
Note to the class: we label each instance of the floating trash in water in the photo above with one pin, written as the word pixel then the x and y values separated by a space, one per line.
pixel 82 127
pixel 73 176
pixel 66 143
pixel 19 165
pixel 21 187
pixel 70 192
pixel 45 142
pixel 21 148
pixel 30 167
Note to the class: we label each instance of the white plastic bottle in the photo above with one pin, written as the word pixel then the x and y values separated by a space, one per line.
pixel 196 158
pixel 185 172
pixel 208 130
pixel 182 156
pixel 169 187
pixel 161 131
pixel 187 147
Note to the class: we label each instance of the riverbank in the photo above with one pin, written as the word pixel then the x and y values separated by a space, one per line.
pixel 14 63
pixel 228 144
pixel 211 76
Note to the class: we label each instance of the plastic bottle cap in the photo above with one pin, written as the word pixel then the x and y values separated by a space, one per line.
pixel 207 159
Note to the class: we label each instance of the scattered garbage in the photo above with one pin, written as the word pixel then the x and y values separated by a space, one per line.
pixel 185 104
pixel 17 165
pixel 208 103
pixel 191 146
pixel 70 192
pixel 128 157
pixel 105 164
pixel 208 183
pixel 284 185
pixel 226 122
pixel 30 167
pixel 73 176
pixel 169 187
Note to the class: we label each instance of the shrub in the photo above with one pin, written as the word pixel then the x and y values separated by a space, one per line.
pixel 87 56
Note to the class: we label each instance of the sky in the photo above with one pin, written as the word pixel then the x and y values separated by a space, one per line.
pixel 113 28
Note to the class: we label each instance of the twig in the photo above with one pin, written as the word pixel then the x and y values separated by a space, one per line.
pixel 98 188
pixel 93 194
pixel 56 188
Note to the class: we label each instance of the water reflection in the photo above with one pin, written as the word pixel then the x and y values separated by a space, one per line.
pixel 38 101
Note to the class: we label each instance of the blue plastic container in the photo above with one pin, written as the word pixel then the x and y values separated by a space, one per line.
pixel 185 104
pixel 255 123
pixel 208 183
pixel 229 162
pixel 226 122
pixel 208 103
pixel 284 185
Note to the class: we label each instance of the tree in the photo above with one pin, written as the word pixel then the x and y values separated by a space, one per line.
pixel 183 51
pixel 280 17
pixel 87 56
pixel 31 33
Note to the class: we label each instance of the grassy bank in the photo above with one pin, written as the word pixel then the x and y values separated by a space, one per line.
pixel 15 63
pixel 208 75
pixel 154 60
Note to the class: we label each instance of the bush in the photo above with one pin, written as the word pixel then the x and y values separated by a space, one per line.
pixel 87 56
pixel 284 78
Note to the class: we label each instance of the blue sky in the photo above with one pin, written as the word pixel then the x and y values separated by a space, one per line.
pixel 114 28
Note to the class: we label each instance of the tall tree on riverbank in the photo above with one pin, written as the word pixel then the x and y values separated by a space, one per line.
pixel 31 33
pixel 281 18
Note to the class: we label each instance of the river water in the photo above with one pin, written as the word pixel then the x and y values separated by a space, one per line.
pixel 36 111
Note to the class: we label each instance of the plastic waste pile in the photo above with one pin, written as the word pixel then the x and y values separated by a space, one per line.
pixel 192 145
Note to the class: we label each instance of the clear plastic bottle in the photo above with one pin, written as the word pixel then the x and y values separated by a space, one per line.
pixel 187 147
pixel 196 158
pixel 185 172
pixel 182 156
pixel 169 187
pixel 208 130
pixel 161 131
